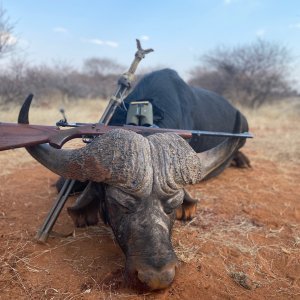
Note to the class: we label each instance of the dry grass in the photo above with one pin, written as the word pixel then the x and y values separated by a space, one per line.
pixel 242 246
pixel 276 127
pixel 277 130
pixel 79 111
pixel 18 257
pixel 12 160
pixel 251 254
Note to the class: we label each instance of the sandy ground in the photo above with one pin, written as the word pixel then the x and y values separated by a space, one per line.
pixel 243 244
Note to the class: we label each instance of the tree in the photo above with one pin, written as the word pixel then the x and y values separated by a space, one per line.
pixel 13 85
pixel 249 74
pixel 7 40
pixel 101 66
pixel 101 75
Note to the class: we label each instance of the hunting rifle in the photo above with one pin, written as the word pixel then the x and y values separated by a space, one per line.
pixel 25 135
pixel 124 85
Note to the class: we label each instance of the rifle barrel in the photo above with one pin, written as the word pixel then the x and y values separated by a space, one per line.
pixel 24 135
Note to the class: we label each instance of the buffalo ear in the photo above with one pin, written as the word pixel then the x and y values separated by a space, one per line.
pixel 188 197
pixel 174 201
pixel 187 210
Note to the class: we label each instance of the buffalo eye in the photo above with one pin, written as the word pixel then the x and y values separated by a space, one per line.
pixel 168 210
pixel 121 200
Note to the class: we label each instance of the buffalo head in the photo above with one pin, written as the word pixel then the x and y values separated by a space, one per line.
pixel 144 179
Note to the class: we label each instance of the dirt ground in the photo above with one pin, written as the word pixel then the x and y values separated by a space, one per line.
pixel 243 244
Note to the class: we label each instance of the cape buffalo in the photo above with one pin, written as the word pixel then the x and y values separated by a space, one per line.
pixel 137 182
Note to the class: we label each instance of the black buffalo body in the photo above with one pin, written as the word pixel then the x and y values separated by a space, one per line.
pixel 180 106
pixel 136 184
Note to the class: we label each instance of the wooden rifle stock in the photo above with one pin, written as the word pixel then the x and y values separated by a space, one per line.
pixel 25 135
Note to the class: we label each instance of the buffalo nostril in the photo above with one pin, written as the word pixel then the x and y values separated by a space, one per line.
pixel 156 280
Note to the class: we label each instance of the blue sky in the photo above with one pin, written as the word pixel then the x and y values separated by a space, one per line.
pixel 179 30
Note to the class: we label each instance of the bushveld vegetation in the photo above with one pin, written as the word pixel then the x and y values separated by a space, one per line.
pixel 248 75
pixel 60 81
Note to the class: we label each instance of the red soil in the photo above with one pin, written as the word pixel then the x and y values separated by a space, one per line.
pixel 244 242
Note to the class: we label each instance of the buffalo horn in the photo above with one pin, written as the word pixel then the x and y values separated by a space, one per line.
pixel 71 164
pixel 211 159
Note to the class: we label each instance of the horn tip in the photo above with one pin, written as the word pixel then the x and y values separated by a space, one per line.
pixel 23 114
